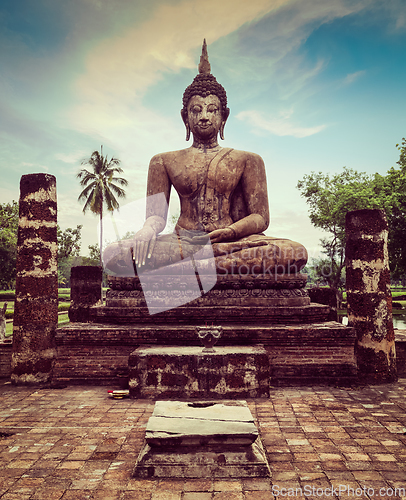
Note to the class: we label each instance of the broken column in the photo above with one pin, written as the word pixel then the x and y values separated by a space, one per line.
pixel 36 303
pixel 85 292
pixel 369 296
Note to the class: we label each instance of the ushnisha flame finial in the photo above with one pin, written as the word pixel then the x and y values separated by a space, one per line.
pixel 204 65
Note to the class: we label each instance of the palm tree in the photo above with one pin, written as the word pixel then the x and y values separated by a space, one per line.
pixel 100 186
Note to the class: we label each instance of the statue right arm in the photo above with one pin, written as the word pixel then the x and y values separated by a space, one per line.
pixel 158 191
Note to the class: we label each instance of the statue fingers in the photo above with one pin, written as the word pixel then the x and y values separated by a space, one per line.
pixel 151 246
pixel 138 252
pixel 143 254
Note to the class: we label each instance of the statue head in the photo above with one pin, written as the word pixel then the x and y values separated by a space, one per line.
pixel 205 85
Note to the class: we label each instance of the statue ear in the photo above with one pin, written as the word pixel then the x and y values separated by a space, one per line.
pixel 183 114
pixel 223 123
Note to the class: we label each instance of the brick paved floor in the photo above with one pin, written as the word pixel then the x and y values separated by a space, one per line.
pixel 76 443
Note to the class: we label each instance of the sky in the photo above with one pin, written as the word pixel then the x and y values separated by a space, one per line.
pixel 312 85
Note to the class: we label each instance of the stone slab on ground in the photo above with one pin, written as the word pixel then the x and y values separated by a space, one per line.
pixel 203 462
pixel 177 423
pixel 201 440
pixel 188 372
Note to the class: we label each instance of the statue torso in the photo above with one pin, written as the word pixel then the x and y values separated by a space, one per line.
pixel 205 182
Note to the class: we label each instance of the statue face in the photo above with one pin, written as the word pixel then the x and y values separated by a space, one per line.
pixel 204 116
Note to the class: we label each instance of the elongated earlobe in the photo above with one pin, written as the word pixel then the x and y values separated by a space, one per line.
pixel 222 130
pixel 226 114
pixel 183 114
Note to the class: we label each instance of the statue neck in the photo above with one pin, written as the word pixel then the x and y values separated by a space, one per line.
pixel 205 144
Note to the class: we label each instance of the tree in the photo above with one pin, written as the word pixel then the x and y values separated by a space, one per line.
pixel 100 186
pixel 68 252
pixel 94 256
pixel 69 242
pixel 391 190
pixel 8 243
pixel 329 199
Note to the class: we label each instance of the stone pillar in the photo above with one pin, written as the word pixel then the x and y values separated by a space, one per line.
pixel 368 295
pixel 36 304
pixel 85 291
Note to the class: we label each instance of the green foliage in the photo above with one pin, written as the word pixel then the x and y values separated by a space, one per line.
pixel 69 242
pixel 101 186
pixel 68 252
pixel 391 190
pixel 8 243
pixel 329 198
pixel 94 256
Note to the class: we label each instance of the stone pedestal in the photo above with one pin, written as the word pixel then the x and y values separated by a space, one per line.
pixel 234 298
pixel 36 304
pixel 369 296
pixel 188 372
pixel 201 440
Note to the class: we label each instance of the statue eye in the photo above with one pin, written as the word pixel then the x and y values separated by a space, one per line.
pixel 196 109
pixel 212 109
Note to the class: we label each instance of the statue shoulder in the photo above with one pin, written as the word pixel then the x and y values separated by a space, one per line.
pixel 247 156
pixel 168 157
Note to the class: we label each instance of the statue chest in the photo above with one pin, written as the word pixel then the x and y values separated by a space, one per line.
pixel 197 179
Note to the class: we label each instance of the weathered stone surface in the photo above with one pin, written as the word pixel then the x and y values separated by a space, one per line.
pixel 36 304
pixel 201 439
pixel 232 290
pixel 175 423
pixel 220 313
pixel 326 296
pixel 299 354
pixel 86 291
pixel 224 282
pixel 369 296
pixel 247 299
pixel 179 372
pixel 203 462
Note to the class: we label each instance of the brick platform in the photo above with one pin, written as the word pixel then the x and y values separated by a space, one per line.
pixel 97 353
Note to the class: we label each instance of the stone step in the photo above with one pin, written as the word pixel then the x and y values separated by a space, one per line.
pixel 224 314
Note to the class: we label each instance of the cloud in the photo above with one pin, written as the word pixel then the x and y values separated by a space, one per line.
pixel 281 126
pixel 352 77
pixel 128 64
pixel 74 157
pixel 120 70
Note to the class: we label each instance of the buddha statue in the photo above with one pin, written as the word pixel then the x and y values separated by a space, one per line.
pixel 223 200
